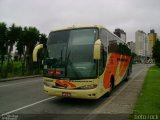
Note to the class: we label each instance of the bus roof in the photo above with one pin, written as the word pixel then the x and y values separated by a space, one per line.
pixel 77 27
pixel 87 26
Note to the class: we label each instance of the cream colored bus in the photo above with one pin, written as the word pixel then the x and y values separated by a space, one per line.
pixel 84 62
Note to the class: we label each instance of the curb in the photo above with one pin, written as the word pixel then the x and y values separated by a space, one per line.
pixel 18 78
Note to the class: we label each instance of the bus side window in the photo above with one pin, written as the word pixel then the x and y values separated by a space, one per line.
pixel 103 37
pixel 123 49
pixel 112 43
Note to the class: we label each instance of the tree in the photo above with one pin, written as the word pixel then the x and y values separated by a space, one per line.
pixel 3 45
pixel 3 41
pixel 20 48
pixel 26 39
pixel 156 52
pixel 14 34
pixel 30 39
pixel 42 39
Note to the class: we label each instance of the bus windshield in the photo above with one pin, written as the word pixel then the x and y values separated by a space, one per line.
pixel 70 52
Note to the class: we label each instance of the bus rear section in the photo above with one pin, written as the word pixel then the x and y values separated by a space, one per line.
pixel 84 62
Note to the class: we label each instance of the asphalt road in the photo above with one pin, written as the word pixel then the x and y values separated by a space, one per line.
pixel 25 99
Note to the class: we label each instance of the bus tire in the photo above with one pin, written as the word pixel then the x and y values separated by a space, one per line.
pixel 127 75
pixel 111 86
pixel 112 83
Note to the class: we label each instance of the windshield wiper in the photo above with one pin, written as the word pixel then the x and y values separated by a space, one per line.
pixel 73 69
pixel 61 57
pixel 66 63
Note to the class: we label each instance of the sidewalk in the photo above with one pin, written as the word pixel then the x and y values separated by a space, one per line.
pixel 18 78
pixel 120 104
pixel 127 97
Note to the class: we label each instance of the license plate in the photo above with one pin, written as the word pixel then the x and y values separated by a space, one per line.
pixel 67 94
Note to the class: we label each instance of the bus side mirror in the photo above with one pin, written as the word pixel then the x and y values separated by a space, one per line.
pixel 35 51
pixel 97 50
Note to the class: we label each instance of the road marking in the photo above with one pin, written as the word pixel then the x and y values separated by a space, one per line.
pixel 18 83
pixel 90 117
pixel 27 106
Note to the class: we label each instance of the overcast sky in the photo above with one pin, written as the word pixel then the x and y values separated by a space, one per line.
pixel 47 15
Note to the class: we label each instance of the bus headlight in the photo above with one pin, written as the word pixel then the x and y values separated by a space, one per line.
pixel 92 86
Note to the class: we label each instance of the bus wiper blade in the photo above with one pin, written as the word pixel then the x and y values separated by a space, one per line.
pixel 66 63
pixel 61 57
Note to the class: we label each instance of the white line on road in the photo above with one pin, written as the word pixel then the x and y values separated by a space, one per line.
pixel 27 106
pixel 18 83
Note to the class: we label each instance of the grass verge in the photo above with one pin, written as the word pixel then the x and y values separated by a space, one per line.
pixel 149 98
pixel 16 69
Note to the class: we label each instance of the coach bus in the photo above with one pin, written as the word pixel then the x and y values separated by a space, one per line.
pixel 84 62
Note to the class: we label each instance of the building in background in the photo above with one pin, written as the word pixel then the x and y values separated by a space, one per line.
pixel 140 43
pixel 142 46
pixel 120 33
pixel 131 45
pixel 148 47
pixel 152 37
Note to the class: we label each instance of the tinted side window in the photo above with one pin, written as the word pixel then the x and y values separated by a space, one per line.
pixel 117 46
pixel 103 37
pixel 112 43
pixel 123 49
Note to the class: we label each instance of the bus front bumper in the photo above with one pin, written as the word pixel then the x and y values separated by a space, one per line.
pixel 83 94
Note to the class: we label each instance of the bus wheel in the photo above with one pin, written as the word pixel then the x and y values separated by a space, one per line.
pixel 127 75
pixel 111 86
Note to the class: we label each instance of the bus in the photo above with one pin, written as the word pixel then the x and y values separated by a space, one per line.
pixel 84 62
